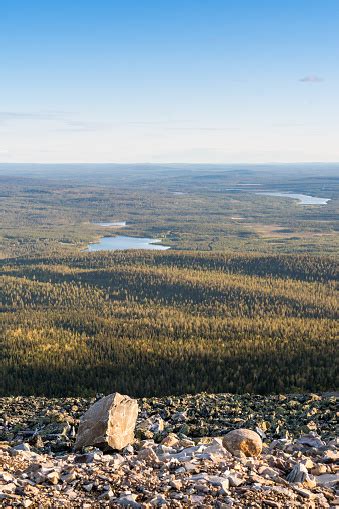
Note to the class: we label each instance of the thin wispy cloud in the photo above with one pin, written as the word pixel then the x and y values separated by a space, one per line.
pixel 311 78
pixel 83 126
pixel 202 128
pixel 147 122
pixel 65 120
pixel 7 116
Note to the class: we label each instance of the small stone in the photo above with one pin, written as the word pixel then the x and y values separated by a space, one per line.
pixel 260 432
pixel 310 482
pixel 22 447
pixel 197 500
pixel 127 501
pixel 179 417
pixel 53 477
pixel 71 494
pixel 268 472
pixel 27 502
pixel 107 495
pixel 308 463
pixel 148 455
pixel 270 503
pixel 299 473
pixel 84 458
pixel 331 456
pixel 129 449
pixel 116 460
pixel 176 484
pixel 186 442
pixel 170 440
pixel 304 493
pixel 328 480
pixel 158 501
pixel 224 487
pixel 180 470
pixel 234 480
pixel 71 476
pixel 244 440
pixel 37 441
pixel 201 488
pixel 311 440
pixel 319 469
pixel 216 448
pixel 39 477
pixel 9 488
pixel 7 477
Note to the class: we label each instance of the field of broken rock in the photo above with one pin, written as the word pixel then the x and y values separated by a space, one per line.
pixel 180 456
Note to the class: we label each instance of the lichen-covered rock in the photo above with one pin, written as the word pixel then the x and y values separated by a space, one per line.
pixel 244 440
pixel 110 421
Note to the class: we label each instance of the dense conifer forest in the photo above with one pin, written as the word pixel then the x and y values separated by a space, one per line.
pixel 154 323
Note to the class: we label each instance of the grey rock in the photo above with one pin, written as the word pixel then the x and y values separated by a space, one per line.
pixel 328 480
pixel 312 440
pixel 216 448
pixel 299 473
pixel 158 501
pixel 179 417
pixel 234 480
pixel 148 455
pixel 21 447
pixel 126 501
pixel 109 422
pixel 303 493
pixel 214 480
pixel 116 460
pixel 84 458
pixel 129 449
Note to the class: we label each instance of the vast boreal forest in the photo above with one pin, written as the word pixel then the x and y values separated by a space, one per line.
pixel 147 323
pixel 226 309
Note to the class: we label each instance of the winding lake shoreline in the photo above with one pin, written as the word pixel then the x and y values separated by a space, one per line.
pixel 121 242
pixel 303 199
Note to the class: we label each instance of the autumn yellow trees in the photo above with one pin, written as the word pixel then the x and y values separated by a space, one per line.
pixel 163 323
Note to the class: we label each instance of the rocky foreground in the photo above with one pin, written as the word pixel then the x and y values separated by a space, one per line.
pixel 180 456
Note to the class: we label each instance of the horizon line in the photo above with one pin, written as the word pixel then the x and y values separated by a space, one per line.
pixel 167 163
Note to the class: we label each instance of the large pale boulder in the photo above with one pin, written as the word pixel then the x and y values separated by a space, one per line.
pixel 109 422
pixel 244 440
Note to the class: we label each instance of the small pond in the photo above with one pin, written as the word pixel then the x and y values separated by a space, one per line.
pixel 121 242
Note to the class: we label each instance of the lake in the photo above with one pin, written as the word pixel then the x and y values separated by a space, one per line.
pixel 119 224
pixel 303 199
pixel 121 242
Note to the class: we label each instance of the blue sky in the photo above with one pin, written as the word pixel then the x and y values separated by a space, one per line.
pixel 169 81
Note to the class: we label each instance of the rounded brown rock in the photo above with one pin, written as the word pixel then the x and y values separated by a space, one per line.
pixel 243 440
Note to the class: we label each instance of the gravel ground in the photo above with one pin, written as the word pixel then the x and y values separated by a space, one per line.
pixel 177 459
